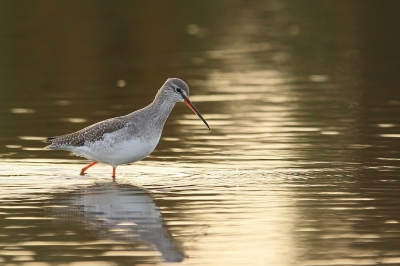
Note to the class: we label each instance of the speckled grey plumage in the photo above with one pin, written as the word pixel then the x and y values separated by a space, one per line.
pixel 128 138
pixel 142 124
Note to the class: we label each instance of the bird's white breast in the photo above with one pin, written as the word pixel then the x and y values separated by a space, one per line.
pixel 114 151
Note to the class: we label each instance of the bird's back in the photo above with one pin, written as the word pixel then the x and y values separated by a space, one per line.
pixel 87 135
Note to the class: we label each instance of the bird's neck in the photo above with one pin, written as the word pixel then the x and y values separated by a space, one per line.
pixel 162 106
pixel 159 110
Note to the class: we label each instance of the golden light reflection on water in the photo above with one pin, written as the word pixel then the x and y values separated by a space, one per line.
pixel 270 116
pixel 219 216
pixel 300 167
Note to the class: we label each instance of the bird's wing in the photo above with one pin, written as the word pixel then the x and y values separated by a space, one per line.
pixel 91 133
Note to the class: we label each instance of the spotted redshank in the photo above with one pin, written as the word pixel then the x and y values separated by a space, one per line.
pixel 129 138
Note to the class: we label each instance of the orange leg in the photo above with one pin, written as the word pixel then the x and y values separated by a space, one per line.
pixel 86 167
pixel 114 175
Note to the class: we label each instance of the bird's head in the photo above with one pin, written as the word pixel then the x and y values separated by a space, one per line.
pixel 177 90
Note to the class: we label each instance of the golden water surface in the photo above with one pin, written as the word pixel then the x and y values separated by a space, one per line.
pixel 300 167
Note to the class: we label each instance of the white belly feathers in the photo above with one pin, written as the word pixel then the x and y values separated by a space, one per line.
pixel 111 151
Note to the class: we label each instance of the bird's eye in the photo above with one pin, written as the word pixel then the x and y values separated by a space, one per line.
pixel 178 90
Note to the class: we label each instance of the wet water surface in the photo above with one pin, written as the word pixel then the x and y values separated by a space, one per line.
pixel 199 217
pixel 300 167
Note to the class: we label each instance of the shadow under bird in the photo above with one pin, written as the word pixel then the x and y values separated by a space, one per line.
pixel 129 138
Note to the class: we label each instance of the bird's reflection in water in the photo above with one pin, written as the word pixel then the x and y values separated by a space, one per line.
pixel 124 213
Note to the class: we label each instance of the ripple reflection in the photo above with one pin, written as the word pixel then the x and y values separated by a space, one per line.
pixel 120 212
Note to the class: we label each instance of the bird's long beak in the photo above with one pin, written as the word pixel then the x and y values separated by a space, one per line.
pixel 191 106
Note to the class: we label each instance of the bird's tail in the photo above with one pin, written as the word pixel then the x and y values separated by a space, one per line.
pixel 50 140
